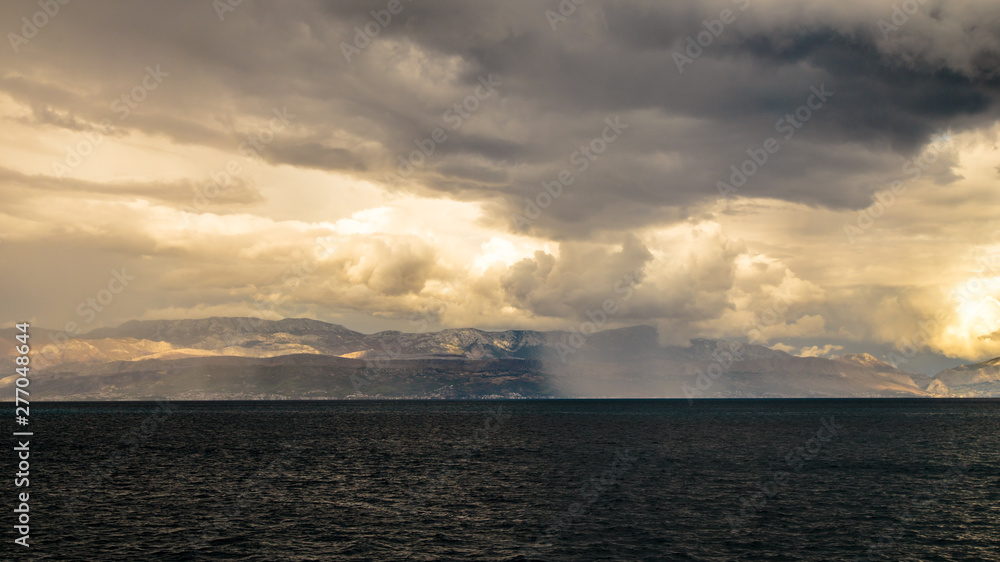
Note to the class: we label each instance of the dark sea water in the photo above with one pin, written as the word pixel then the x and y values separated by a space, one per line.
pixel 518 480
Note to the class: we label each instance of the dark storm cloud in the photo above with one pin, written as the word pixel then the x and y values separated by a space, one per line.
pixel 618 59
pixel 312 154
pixel 881 99
pixel 892 92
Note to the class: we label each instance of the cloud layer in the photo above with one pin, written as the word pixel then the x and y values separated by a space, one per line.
pixel 508 164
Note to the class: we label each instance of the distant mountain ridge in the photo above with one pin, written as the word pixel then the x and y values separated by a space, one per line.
pixel 247 358
pixel 978 379
pixel 260 338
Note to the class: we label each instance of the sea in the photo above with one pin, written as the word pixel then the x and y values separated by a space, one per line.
pixel 707 480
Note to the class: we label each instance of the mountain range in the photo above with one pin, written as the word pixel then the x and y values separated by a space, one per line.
pixel 297 358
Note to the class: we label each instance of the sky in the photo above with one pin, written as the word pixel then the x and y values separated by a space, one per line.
pixel 818 177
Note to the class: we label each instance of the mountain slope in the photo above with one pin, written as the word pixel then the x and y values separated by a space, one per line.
pixel 979 379
pixel 243 358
